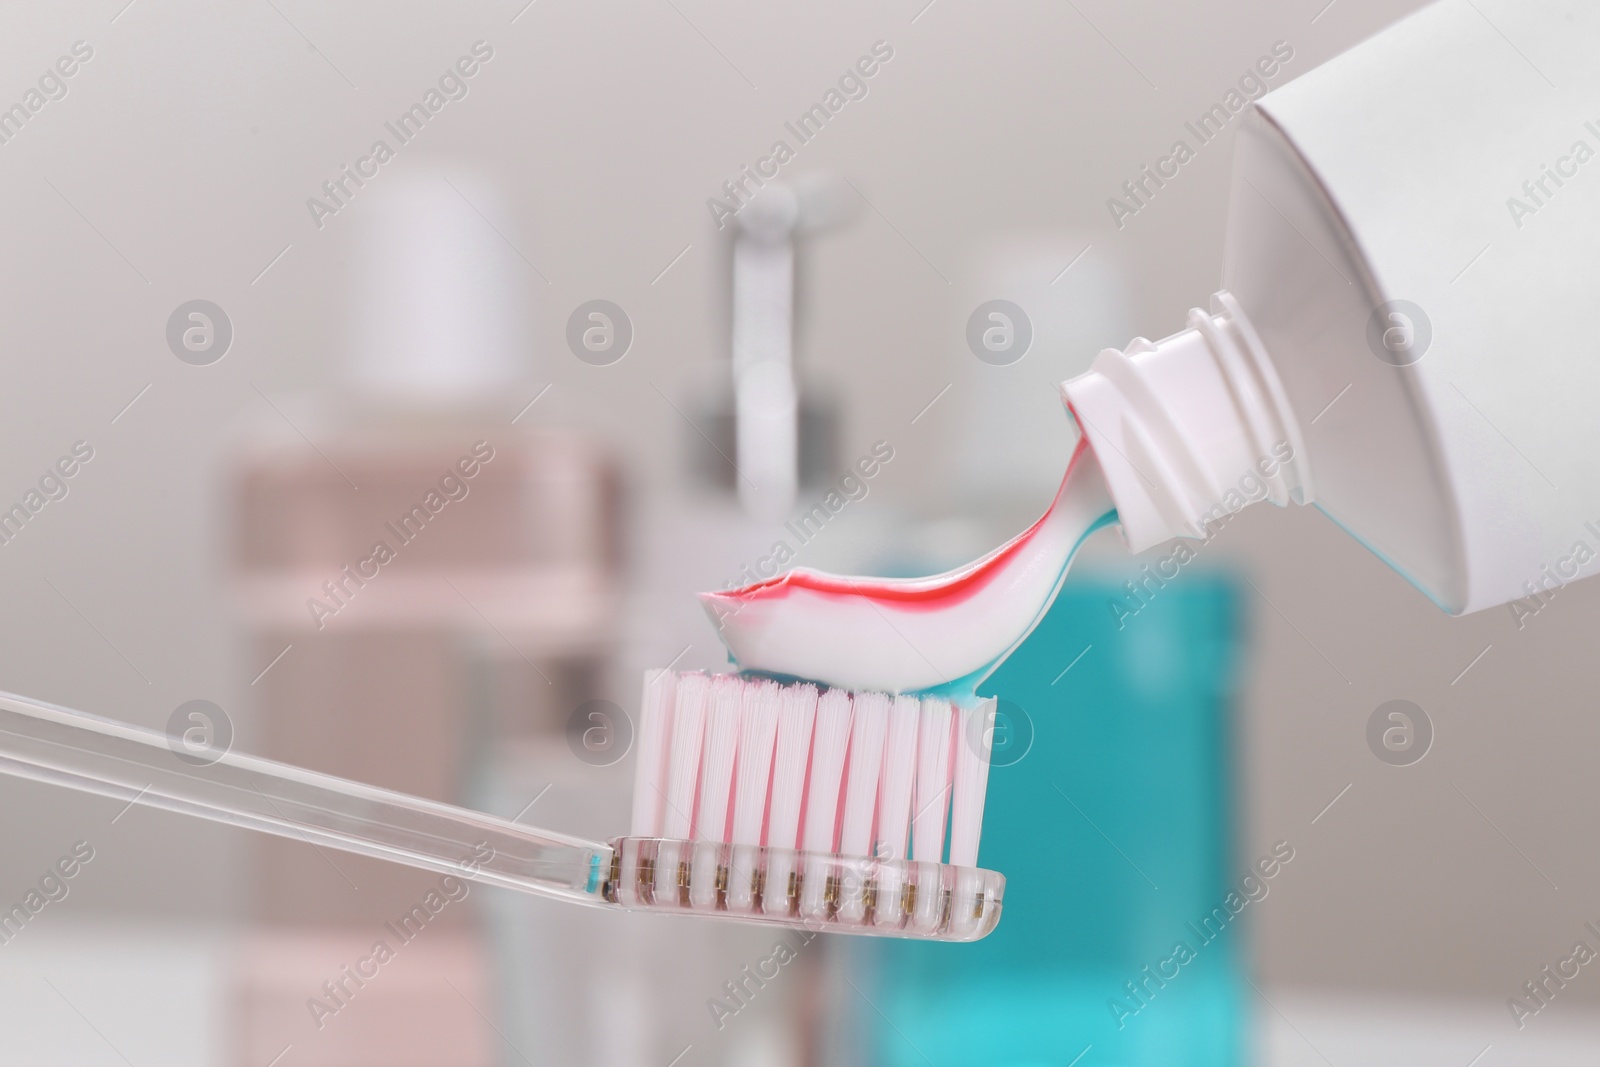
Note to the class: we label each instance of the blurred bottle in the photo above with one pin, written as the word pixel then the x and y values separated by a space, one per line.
pixel 583 987
pixel 1112 812
pixel 384 532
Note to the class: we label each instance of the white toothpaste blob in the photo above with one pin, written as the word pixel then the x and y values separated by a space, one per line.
pixel 914 634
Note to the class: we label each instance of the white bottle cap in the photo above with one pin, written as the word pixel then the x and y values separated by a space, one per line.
pixel 438 291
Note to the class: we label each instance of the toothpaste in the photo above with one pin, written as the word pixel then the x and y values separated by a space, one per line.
pixel 942 633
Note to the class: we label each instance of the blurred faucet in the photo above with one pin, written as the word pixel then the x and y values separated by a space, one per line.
pixel 765 402
pixel 768 424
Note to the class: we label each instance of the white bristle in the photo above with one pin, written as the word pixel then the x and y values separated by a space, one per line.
pixel 796 714
pixel 776 801
pixel 683 776
pixel 717 754
pixel 894 801
pixel 868 729
pixel 932 805
pixel 974 735
pixel 758 734
pixel 650 781
pixel 828 747
pixel 867 734
pixel 933 781
pixel 899 777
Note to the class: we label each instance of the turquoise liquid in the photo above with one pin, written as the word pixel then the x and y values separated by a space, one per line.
pixel 1138 735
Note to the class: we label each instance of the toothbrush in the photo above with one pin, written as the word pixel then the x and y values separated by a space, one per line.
pixel 86 752
pixel 827 799
pixel 827 805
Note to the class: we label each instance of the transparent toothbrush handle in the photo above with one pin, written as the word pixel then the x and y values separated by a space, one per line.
pixel 96 755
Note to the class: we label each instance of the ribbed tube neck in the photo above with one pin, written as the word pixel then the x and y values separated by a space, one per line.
pixel 1190 428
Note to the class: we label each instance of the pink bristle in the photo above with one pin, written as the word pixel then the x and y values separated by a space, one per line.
pixel 899 778
pixel 683 775
pixel 717 757
pixel 829 744
pixel 757 738
pixel 894 804
pixel 758 734
pixel 867 734
pixel 652 770
pixel 754 775
pixel 933 781
pixel 796 716
pixel 974 736
pixel 796 723
pixel 824 798
pixel 869 728
pixel 751 762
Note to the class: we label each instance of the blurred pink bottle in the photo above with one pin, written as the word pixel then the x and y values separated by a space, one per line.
pixel 393 539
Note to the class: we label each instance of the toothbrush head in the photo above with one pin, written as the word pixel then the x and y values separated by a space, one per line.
pixel 825 809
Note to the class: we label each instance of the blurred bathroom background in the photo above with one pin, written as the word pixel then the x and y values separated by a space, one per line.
pixel 542 305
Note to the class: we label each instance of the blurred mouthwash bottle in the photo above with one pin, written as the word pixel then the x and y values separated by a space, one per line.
pixel 1113 823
